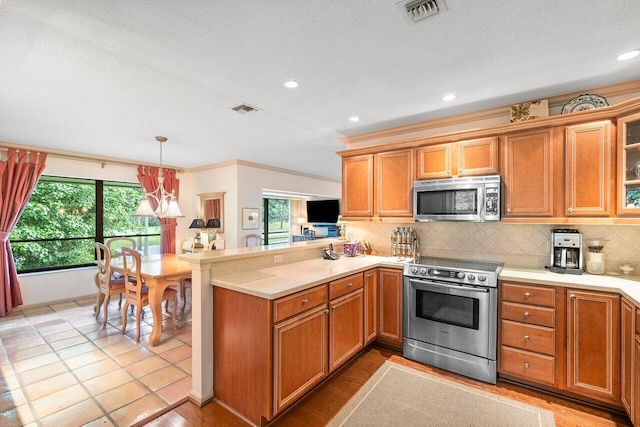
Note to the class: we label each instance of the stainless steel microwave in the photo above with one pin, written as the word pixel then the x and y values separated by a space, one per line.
pixel 457 199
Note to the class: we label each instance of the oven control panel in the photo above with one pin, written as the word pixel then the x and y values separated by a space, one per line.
pixel 453 275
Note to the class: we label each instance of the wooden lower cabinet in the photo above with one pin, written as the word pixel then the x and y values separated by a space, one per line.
pixel 370 306
pixel 390 306
pixel 346 328
pixel 299 342
pixel 593 345
pixel 636 387
pixel 627 341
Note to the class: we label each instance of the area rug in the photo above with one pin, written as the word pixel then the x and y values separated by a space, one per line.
pixel 397 395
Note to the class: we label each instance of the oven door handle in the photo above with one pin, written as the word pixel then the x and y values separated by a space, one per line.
pixel 444 285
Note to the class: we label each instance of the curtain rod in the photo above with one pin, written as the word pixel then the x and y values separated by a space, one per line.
pixel 67 155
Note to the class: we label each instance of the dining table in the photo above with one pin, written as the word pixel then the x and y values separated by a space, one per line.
pixel 159 271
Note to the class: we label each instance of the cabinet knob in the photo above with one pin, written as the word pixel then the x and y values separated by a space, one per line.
pixel 333 307
pixel 326 311
pixel 526 365
pixel 527 294
pixel 570 210
pixel 526 314
pixel 349 285
pixel 526 337
pixel 305 301
pixel 447 172
pixel 572 296
pixel 508 209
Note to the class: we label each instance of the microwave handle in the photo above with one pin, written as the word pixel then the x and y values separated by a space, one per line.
pixel 482 209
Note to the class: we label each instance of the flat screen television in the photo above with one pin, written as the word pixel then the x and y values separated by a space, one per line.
pixel 323 211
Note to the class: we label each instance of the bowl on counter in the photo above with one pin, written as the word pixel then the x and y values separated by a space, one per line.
pixel 352 249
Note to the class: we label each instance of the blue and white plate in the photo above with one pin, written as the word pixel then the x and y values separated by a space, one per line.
pixel 584 102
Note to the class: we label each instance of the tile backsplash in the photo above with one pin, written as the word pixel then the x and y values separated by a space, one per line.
pixel 516 245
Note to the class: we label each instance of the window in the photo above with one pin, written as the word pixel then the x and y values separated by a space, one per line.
pixel 276 217
pixel 65 216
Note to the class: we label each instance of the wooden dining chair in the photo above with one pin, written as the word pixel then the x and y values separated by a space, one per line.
pixel 107 284
pixel 114 244
pixel 136 293
pixel 217 244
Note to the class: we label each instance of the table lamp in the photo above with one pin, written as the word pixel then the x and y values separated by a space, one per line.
pixel 197 223
pixel 212 223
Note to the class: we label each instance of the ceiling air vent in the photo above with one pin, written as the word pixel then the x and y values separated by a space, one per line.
pixel 417 10
pixel 244 109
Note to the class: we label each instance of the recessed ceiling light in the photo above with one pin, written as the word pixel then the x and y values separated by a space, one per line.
pixel 290 84
pixel 449 97
pixel 354 118
pixel 628 55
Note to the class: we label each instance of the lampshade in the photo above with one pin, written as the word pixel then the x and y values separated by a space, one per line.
pixel 213 223
pixel 197 223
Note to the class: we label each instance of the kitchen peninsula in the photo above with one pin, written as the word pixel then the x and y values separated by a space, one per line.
pixel 245 304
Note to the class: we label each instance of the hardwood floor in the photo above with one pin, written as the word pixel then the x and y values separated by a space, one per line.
pixel 326 400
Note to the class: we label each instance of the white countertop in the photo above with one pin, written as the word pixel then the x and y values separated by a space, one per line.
pixel 628 287
pixel 276 282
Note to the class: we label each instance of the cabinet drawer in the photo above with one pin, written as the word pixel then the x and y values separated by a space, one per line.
pixel 539 339
pixel 297 303
pixel 529 314
pixel 526 294
pixel 527 365
pixel 343 286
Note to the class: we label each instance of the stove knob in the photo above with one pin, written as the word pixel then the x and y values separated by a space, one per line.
pixel 432 272
pixel 482 277
pixel 414 270
pixel 471 276
pixel 460 275
pixel 423 271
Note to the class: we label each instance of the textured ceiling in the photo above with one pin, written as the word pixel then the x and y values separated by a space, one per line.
pixel 104 77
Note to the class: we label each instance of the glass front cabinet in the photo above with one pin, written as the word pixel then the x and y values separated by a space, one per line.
pixel 629 164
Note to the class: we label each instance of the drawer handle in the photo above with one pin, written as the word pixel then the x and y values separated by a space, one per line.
pixel 526 337
pixel 305 301
pixel 527 294
pixel 526 314
pixel 349 285
pixel 526 365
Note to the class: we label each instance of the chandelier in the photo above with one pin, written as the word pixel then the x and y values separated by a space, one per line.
pixel 167 203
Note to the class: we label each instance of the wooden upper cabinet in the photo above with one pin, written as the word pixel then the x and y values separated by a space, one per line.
pixel 629 165
pixel 434 161
pixel 357 185
pixel 464 158
pixel 588 178
pixel 528 173
pixel 478 157
pixel 394 183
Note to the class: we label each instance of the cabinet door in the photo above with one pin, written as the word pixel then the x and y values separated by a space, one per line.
pixel 357 185
pixel 370 305
pixel 588 169
pixel 528 174
pixel 390 306
pixel 478 157
pixel 300 355
pixel 629 165
pixel 346 328
pixel 394 183
pixel 434 161
pixel 593 345
pixel 627 338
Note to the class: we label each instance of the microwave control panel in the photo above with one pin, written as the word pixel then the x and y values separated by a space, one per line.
pixel 492 202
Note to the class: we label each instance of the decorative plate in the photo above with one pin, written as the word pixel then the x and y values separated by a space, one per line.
pixel 584 102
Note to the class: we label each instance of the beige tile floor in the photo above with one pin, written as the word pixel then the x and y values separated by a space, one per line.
pixel 60 367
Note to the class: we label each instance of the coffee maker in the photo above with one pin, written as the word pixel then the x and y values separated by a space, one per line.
pixel 566 253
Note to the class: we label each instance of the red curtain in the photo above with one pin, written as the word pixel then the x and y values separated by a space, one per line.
pixel 148 178
pixel 18 177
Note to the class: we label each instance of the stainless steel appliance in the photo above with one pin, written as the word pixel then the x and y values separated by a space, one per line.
pixel 450 318
pixel 457 199
pixel 566 256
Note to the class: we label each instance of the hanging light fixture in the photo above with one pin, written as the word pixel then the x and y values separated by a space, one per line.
pixel 167 203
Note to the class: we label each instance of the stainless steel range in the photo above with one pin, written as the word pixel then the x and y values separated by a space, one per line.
pixel 451 315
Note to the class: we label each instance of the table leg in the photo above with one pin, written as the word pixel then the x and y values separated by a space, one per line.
pixel 156 290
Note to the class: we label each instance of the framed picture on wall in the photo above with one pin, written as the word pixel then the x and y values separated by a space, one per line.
pixel 250 218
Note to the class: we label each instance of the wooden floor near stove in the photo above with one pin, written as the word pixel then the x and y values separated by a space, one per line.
pixel 325 401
